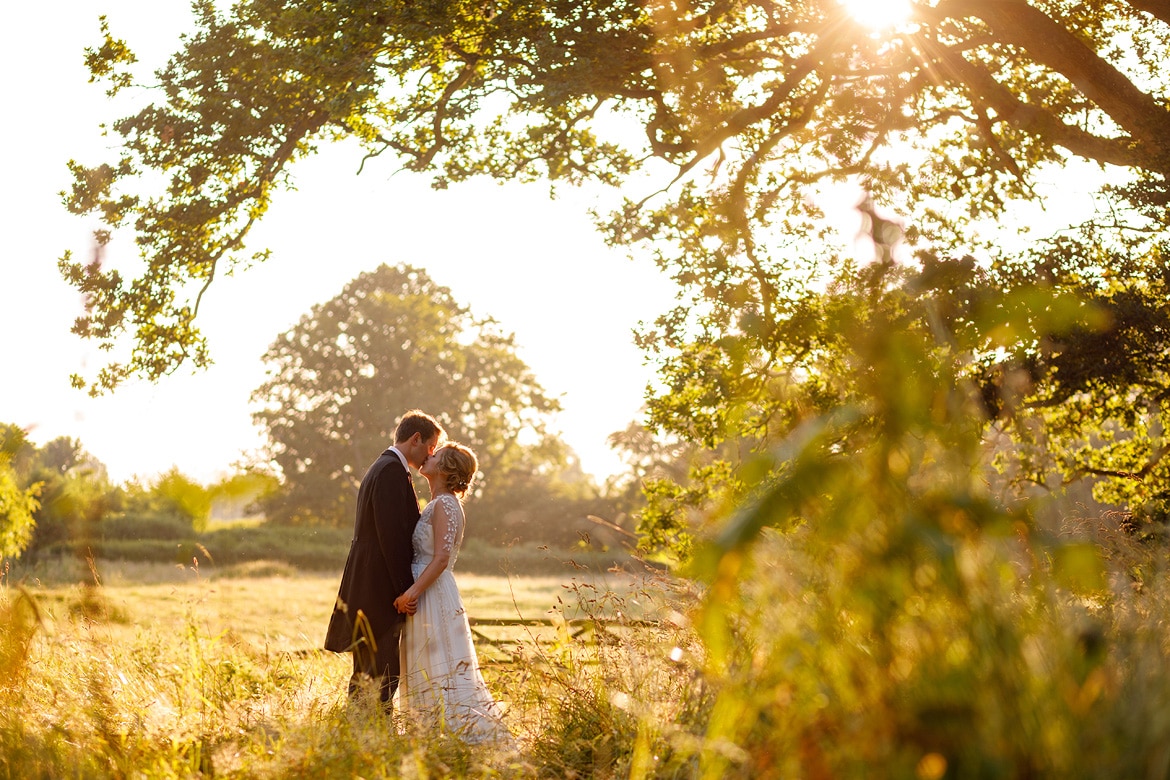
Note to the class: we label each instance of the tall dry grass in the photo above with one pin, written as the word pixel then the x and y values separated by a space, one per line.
pixel 185 676
pixel 1021 676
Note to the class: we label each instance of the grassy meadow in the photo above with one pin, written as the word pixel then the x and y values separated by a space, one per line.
pixel 1004 660
pixel 131 669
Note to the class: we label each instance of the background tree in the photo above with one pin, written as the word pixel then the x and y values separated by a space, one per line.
pixel 391 341
pixel 1090 404
pixel 666 487
pixel 949 114
pixel 171 495
pixel 18 501
pixel 239 494
pixel 75 492
pixel 1085 405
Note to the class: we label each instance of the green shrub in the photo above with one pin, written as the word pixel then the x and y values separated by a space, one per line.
pixel 169 540
pixel 136 526
pixel 315 548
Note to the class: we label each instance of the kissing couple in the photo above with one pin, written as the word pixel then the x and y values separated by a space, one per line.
pixel 398 609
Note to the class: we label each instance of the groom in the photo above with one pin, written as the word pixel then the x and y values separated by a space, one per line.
pixel 364 620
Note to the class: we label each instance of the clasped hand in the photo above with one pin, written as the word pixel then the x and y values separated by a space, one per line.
pixel 407 604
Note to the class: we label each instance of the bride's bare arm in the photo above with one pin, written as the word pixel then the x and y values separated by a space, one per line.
pixel 443 524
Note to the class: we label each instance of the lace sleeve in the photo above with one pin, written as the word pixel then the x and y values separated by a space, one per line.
pixel 445 521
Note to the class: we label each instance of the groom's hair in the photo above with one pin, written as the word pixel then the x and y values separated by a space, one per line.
pixel 417 421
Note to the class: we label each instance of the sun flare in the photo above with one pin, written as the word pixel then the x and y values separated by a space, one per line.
pixel 878 14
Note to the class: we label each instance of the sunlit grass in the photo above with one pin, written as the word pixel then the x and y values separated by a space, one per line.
pixel 271 603
pixel 167 671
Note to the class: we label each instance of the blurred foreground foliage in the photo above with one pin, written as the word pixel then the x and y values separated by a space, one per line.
pixel 875 607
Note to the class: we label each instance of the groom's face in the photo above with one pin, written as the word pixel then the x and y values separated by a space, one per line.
pixel 417 449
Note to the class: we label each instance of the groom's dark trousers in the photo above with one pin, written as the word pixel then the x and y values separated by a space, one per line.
pixel 377 571
pixel 382 666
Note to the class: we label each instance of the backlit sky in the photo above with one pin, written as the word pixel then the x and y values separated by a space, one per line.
pixel 536 265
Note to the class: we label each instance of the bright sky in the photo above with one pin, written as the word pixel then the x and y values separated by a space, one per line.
pixel 536 265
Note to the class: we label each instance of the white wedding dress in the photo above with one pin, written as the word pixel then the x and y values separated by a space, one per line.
pixel 440 682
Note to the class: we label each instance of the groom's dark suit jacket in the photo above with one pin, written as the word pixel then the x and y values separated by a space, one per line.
pixel 378 568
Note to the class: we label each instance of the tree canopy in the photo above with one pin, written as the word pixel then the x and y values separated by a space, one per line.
pixel 391 341
pixel 727 115
pixel 736 107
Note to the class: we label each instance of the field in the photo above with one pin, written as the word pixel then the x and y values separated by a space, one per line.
pixel 1017 662
pixel 154 670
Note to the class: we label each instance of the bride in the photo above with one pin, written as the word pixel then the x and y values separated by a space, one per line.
pixel 441 681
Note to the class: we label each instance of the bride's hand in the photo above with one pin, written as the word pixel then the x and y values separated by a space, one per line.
pixel 406 604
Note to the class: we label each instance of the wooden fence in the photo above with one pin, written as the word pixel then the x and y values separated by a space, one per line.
pixel 542 630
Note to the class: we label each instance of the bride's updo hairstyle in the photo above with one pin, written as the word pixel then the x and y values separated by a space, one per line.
pixel 457 464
